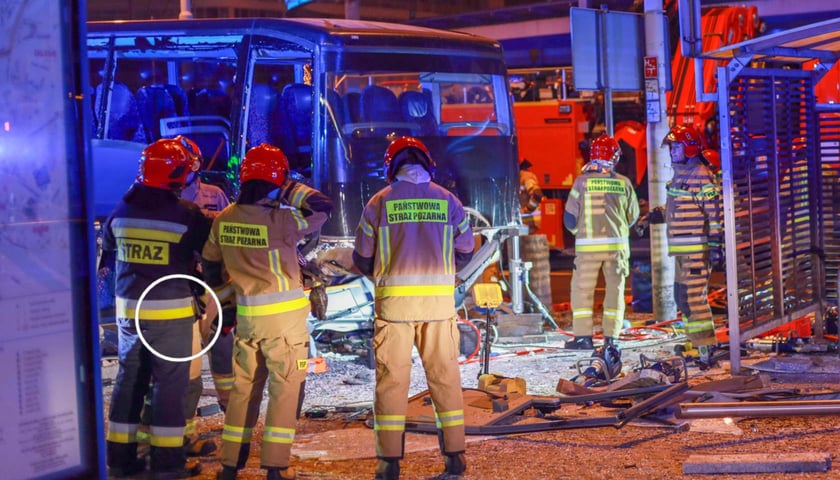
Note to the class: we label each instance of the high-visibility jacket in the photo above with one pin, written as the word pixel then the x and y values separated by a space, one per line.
pixel 258 244
pixel 154 234
pixel 413 231
pixel 605 206
pixel 693 208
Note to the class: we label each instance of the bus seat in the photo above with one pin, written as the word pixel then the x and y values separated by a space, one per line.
pixel 124 122
pixel 296 102
pixel 417 108
pixel 154 102
pixel 262 113
pixel 379 104
pixel 352 106
pixel 180 98
pixel 208 101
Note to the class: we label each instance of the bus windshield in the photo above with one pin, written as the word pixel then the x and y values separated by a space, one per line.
pixel 460 112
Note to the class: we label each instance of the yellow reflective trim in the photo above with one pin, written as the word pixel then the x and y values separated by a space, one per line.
pixel 120 437
pixel 415 290
pixel 450 423
pixel 142 251
pixel 609 247
pixel 686 248
pixel 158 441
pixel 272 308
pixel 400 418
pixel 389 428
pixel 165 314
pixel 147 234
pixel 245 235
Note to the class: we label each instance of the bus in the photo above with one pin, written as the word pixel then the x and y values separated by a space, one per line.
pixel 331 93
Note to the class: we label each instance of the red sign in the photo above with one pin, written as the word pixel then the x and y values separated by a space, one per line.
pixel 651 67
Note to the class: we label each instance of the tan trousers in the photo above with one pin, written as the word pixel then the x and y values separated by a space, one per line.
pixel 437 343
pixel 584 279
pixel 691 293
pixel 283 362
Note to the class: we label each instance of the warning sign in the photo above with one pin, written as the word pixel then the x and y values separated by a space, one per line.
pixel 651 67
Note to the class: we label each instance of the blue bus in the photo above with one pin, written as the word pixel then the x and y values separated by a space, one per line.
pixel 331 93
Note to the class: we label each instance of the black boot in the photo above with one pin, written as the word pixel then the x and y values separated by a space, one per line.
pixel 456 465
pixel 388 469
pixel 611 342
pixel 580 343
pixel 227 473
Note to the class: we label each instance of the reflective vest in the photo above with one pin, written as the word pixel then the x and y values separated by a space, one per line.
pixel 693 208
pixel 412 232
pixel 154 234
pixel 605 206
pixel 258 246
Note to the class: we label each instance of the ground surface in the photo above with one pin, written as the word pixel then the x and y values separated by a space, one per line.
pixel 340 446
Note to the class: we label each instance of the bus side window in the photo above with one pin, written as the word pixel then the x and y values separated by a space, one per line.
pixel 124 121
pixel 262 114
pixel 296 105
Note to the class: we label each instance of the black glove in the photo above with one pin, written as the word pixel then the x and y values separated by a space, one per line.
pixel 717 256
pixel 228 318
pixel 657 216
pixel 318 301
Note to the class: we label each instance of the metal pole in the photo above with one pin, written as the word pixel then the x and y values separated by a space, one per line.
pixel 659 168
pixel 516 273
pixel 186 12
pixel 758 409
pixel 608 103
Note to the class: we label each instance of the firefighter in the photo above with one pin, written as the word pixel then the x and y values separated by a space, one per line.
pixel 695 232
pixel 211 200
pixel 255 240
pixel 412 237
pixel 154 233
pixel 600 210
pixel 530 196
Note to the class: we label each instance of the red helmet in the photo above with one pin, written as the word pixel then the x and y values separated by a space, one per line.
pixel 166 164
pixel 605 149
pixel 192 147
pixel 265 162
pixel 392 162
pixel 688 136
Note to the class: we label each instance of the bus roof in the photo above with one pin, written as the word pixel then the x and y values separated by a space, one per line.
pixel 323 31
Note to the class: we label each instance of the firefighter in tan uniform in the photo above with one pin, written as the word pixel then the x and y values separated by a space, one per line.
pixel 530 196
pixel 412 237
pixel 255 240
pixel 600 210
pixel 695 233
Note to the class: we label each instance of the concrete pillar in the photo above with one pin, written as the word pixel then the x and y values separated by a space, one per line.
pixel 659 166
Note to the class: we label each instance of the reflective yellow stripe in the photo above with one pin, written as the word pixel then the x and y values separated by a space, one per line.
pixel 448 248
pixel 610 247
pixel 415 290
pixel 121 437
pixel 147 234
pixel 451 418
pixel 274 266
pixel 234 434
pixel 169 314
pixel 160 441
pixel 279 435
pixel 393 423
pixel 686 248
pixel 272 308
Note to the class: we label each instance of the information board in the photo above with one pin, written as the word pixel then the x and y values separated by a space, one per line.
pixel 607 49
pixel 49 401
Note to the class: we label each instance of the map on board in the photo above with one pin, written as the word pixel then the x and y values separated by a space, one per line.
pixel 37 347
